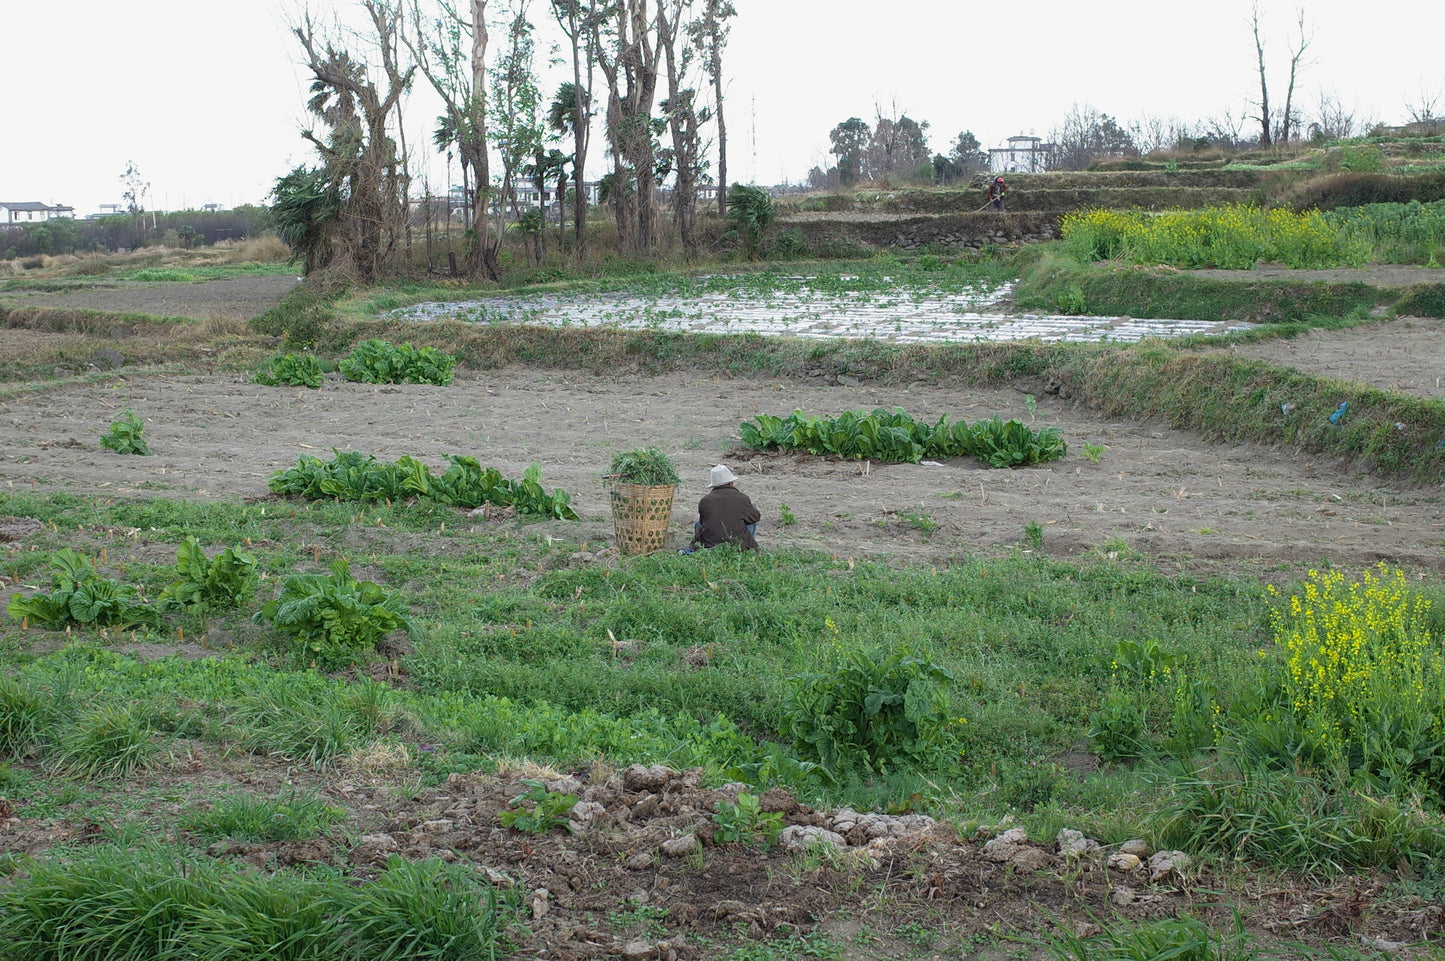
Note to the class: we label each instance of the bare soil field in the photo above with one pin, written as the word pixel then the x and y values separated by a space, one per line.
pixel 230 298
pixel 612 890
pixel 1164 493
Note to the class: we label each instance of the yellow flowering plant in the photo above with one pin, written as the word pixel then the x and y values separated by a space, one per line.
pixel 1364 676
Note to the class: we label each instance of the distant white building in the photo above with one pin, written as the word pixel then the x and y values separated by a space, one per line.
pixel 1028 155
pixel 30 212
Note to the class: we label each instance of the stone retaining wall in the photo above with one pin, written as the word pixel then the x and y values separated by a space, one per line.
pixel 911 233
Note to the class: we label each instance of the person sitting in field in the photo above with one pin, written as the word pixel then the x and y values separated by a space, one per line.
pixel 725 515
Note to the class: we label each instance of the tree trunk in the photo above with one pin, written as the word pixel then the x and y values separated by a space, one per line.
pixel 482 257
pixel 582 38
pixel 1264 119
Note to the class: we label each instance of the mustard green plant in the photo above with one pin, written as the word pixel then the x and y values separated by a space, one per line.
pixel 1232 236
pixel 1364 676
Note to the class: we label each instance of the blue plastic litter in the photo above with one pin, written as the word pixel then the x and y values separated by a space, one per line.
pixel 1335 417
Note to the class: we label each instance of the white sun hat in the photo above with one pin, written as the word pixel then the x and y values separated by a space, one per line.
pixel 719 476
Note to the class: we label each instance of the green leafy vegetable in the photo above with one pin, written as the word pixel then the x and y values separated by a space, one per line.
pixel 204 585
pixel 381 362
pixel 126 436
pixel 82 597
pixel 355 476
pixel 336 619
pixel 297 370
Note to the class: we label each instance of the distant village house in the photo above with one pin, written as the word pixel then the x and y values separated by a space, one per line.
pixel 1026 155
pixel 30 212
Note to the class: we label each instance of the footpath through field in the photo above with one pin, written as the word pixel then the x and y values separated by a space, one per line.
pixel 902 317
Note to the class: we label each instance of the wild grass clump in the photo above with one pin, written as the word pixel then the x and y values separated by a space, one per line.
pixel 26 716
pixel 162 904
pixel 112 741
pixel 303 718
pixel 290 816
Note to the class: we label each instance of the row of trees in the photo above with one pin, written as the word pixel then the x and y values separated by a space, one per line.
pixel 180 228
pixel 898 147
pixel 651 71
pixel 894 147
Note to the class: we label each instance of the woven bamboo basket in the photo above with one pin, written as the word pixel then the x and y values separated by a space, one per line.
pixel 641 515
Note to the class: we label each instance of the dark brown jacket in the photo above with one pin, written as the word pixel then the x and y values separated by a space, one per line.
pixel 724 514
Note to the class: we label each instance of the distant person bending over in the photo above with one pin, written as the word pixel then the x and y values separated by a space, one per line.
pixel 994 193
pixel 725 515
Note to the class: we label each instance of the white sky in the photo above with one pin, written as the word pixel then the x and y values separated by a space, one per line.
pixel 207 96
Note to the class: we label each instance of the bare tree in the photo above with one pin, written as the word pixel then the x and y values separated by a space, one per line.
pixel 1265 138
pixel 1333 120
pixel 1296 64
pixel 1272 128
pixel 358 150
pixel 1427 108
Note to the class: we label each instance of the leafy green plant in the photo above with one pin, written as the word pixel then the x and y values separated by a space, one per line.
pixel 1071 300
pixel 1013 443
pixel 645 466
pixel 750 212
pixel 336 619
pixel 126 436
pixel 351 475
pixel 745 822
pixel 894 436
pixel 1093 452
pixel 377 361
pixel 207 584
pixel 874 711
pixel 297 370
pixel 919 520
pixel 548 810
pixel 786 517
pixel 1116 729
pixel 1034 534
pixel 289 816
pixel 80 596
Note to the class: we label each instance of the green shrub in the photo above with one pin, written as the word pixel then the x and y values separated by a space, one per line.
pixel 380 362
pixel 80 596
pixel 872 711
pixel 203 585
pixel 126 436
pixel 296 370
pixel 336 619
